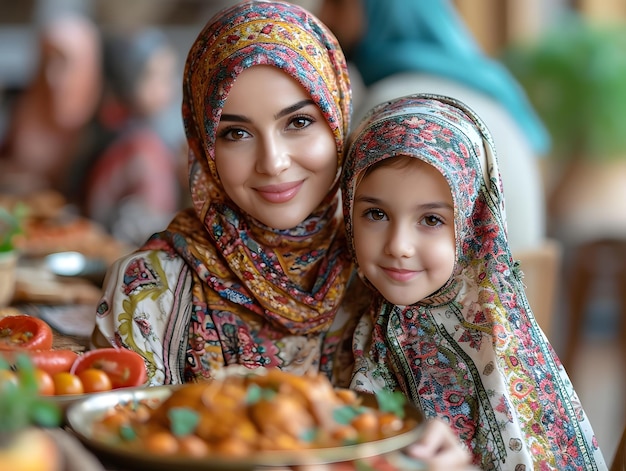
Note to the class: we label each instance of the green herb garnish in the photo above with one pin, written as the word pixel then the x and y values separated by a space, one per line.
pixel 255 393
pixel 183 420
pixel 391 401
pixel 127 432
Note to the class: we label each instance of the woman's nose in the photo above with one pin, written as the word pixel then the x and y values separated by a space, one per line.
pixel 273 156
pixel 400 241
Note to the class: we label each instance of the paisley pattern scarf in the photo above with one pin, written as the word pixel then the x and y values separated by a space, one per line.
pixel 471 353
pixel 248 303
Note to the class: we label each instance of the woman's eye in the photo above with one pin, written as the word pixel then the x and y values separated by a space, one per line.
pixel 300 122
pixel 432 221
pixel 375 214
pixel 234 134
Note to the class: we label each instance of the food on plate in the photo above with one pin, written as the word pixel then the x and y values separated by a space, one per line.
pixel 51 226
pixel 45 383
pixel 67 383
pixel 95 380
pixel 24 332
pixel 63 371
pixel 124 367
pixel 246 413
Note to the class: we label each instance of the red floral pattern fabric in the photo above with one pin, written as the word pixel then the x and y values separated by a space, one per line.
pixel 472 353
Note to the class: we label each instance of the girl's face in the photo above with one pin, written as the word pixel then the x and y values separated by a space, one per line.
pixel 275 153
pixel 404 230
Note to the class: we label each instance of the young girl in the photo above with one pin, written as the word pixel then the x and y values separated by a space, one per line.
pixel 451 326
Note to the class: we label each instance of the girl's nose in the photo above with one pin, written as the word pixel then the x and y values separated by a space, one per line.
pixel 400 242
pixel 273 157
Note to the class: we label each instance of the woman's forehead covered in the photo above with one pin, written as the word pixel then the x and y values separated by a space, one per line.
pixel 266 33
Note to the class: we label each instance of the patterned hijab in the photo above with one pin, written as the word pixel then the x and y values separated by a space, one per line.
pixel 248 278
pixel 471 353
pixel 430 37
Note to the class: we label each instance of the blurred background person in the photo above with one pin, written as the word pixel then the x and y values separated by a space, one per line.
pixel 48 118
pixel 131 184
pixel 401 47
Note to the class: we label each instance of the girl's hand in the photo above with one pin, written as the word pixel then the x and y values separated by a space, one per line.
pixel 441 449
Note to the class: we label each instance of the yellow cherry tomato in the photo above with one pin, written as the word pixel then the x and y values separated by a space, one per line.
pixel 67 383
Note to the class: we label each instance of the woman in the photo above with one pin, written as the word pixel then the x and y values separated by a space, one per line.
pixel 255 272
pixel 49 120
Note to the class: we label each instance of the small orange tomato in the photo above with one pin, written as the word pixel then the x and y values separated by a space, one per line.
pixel 67 383
pixel 95 380
pixel 45 384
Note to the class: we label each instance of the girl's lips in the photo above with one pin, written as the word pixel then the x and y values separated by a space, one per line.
pixel 399 274
pixel 280 193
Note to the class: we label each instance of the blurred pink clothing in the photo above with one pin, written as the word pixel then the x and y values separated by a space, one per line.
pixel 132 189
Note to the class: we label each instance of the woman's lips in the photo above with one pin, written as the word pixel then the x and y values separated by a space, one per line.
pixel 280 193
pixel 399 274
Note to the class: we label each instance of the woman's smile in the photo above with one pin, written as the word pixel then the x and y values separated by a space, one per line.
pixel 280 193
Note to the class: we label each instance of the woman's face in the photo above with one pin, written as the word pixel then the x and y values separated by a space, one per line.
pixel 275 153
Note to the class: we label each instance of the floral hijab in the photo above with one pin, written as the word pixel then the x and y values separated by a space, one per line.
pixel 248 293
pixel 471 353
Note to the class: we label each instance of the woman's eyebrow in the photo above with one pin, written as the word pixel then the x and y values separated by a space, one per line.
pixel 290 109
pixel 234 117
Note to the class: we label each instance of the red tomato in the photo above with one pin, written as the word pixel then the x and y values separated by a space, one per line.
pixel 26 332
pixel 53 361
pixel 125 367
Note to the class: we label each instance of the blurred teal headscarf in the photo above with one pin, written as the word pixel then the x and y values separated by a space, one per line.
pixel 429 36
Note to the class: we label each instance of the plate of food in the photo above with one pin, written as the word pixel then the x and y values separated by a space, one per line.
pixel 243 421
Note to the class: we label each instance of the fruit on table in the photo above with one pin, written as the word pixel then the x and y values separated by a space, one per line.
pixel 125 368
pixel 25 332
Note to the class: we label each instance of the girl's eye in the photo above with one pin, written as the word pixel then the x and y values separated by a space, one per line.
pixel 432 221
pixel 300 122
pixel 234 134
pixel 375 214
